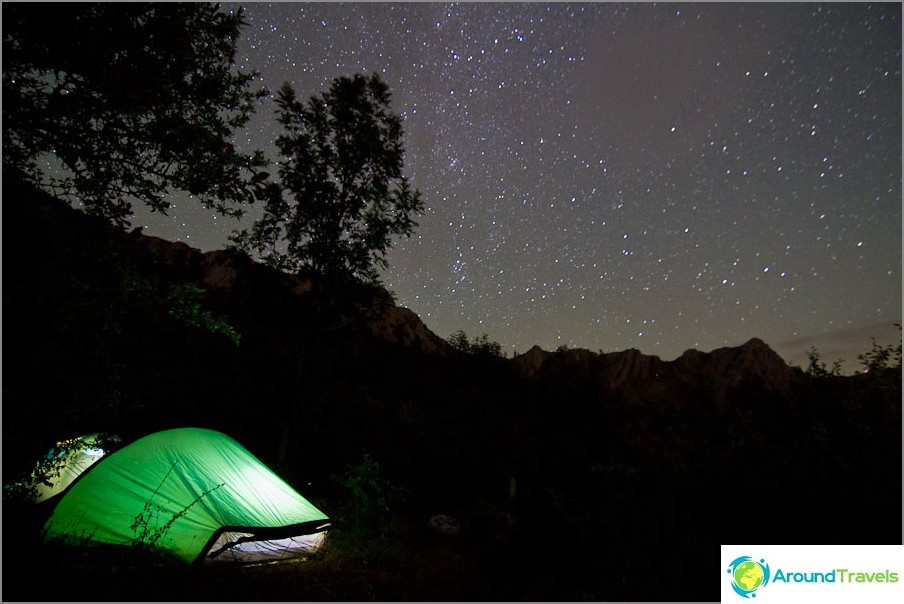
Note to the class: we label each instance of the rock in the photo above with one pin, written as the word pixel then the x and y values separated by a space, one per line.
pixel 400 325
pixel 220 270
pixel 531 361
pixel 637 377
pixel 443 524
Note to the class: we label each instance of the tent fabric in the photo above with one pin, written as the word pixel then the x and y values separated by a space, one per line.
pixel 231 546
pixel 178 490
pixel 65 463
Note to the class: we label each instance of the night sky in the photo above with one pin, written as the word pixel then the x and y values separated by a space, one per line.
pixel 614 176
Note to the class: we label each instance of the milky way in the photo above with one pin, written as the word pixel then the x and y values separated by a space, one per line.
pixel 659 177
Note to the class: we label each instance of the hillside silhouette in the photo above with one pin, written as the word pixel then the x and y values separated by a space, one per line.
pixel 566 475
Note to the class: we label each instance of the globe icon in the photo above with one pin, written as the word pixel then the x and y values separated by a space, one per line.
pixel 748 575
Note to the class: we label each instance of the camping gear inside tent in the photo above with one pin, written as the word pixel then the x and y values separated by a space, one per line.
pixel 63 464
pixel 194 493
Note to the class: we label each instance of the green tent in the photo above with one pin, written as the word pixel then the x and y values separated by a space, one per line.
pixel 194 493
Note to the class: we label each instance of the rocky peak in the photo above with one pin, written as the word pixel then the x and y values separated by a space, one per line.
pixel 531 361
pixel 631 366
pixel 400 325
pixel 720 372
pixel 534 359
pixel 754 358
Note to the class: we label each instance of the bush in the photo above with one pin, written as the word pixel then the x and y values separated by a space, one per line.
pixel 372 496
pixel 478 345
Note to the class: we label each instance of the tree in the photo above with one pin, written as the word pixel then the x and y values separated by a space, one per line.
pixel 459 341
pixel 108 103
pixel 343 171
pixel 480 345
pixel 883 366
pixel 817 368
pixel 882 358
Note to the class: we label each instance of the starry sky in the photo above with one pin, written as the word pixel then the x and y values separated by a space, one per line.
pixel 614 176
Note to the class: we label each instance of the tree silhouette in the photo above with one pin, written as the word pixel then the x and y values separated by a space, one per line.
pixel 882 358
pixel 343 171
pixel 477 345
pixel 108 103
pixel 816 366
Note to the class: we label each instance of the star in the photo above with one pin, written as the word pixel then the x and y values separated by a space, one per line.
pixel 619 176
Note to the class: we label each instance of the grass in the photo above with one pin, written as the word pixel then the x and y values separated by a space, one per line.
pixel 410 563
pixel 401 560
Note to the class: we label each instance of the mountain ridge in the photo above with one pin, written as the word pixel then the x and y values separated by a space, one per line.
pixel 108 330
pixel 241 287
pixel 223 271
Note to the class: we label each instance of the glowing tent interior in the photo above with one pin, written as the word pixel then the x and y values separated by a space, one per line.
pixel 63 464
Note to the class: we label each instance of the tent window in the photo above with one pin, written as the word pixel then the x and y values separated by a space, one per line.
pixel 232 546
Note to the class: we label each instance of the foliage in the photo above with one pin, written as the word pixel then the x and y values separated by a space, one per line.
pixel 883 365
pixel 105 103
pixel 477 345
pixel 459 341
pixel 126 290
pixel 881 358
pixel 184 302
pixel 85 327
pixel 149 532
pixel 878 362
pixel 343 172
pixel 130 289
pixel 372 494
pixel 48 469
pixel 817 368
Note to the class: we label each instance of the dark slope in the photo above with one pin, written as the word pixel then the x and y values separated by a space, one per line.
pixel 574 475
